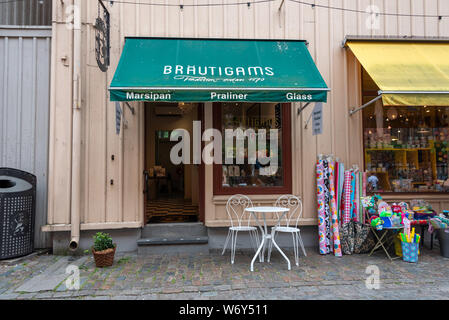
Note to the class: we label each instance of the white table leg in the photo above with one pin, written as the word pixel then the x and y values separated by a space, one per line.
pixel 266 237
pixel 263 231
pixel 282 253
pixel 257 252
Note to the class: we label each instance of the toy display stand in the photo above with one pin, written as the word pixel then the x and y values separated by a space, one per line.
pixel 382 240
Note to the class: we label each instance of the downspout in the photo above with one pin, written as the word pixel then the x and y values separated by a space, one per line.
pixel 76 131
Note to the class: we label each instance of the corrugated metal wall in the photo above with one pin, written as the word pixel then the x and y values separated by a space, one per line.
pixel 26 12
pixel 24 109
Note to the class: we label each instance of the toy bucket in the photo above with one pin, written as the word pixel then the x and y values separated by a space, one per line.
pixel 387 222
pixel 410 251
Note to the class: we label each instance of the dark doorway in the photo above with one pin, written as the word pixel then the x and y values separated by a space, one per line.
pixel 172 190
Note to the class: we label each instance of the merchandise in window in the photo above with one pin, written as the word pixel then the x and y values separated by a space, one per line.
pixel 253 158
pixel 406 148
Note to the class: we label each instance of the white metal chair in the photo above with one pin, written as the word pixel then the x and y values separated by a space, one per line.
pixel 289 223
pixel 240 221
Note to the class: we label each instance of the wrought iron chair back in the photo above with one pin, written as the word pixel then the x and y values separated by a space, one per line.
pixel 294 203
pixel 235 208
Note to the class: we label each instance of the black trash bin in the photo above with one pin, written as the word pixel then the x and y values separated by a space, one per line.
pixel 17 211
pixel 443 237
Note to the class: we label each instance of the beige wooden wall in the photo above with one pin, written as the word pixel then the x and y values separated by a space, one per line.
pixel 120 205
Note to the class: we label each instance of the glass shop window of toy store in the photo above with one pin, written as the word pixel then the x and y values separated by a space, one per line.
pixel 255 148
pixel 405 148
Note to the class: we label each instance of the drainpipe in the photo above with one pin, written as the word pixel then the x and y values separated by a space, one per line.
pixel 76 133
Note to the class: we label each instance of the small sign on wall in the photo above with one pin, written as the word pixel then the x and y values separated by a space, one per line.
pixel 118 117
pixel 317 119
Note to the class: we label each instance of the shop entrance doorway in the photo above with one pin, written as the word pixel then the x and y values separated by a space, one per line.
pixel 172 191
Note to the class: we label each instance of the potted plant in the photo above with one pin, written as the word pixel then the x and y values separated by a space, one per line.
pixel 103 250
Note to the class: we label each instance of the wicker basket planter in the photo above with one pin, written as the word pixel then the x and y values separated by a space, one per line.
pixel 104 258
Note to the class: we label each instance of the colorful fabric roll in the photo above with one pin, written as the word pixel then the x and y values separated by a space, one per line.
pixel 327 210
pixel 321 212
pixel 364 185
pixel 333 208
pixel 339 200
pixel 363 195
pixel 336 185
pixel 352 208
pixel 356 196
pixel 341 178
pixel 359 199
pixel 347 197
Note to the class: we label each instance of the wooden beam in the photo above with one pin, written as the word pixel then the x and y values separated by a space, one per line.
pixel 94 226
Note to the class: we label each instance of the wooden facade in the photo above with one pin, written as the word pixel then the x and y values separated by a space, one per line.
pixel 119 204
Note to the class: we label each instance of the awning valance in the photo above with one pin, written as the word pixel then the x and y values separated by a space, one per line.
pixel 198 70
pixel 407 73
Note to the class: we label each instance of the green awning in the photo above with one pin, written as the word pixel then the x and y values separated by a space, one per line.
pixel 198 70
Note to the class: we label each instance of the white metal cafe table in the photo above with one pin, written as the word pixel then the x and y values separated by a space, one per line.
pixel 265 236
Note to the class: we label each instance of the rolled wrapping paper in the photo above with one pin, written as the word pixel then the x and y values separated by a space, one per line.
pixel 341 178
pixel 327 211
pixel 364 184
pixel 406 223
pixel 334 214
pixel 336 185
pixel 353 208
pixel 347 197
pixel 321 211
pixel 360 197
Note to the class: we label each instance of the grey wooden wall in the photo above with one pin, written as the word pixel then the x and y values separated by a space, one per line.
pixel 26 12
pixel 24 109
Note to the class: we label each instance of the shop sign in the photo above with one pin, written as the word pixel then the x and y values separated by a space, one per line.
pixel 317 119
pixel 219 96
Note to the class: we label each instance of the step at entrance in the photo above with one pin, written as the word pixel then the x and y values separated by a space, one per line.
pixel 164 238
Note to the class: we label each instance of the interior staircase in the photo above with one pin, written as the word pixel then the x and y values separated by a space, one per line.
pixel 165 238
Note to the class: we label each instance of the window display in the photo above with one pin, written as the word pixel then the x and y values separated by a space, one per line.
pixel 254 155
pixel 406 148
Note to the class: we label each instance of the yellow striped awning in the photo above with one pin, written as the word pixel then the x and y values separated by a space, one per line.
pixel 407 73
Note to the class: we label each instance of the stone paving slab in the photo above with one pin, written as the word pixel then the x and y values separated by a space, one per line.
pixel 211 277
pixel 52 276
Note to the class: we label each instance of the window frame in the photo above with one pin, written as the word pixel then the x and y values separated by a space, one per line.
pixel 218 188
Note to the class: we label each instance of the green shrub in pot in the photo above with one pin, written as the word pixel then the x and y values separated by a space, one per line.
pixel 102 241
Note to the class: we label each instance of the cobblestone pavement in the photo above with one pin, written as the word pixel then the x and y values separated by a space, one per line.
pixel 213 277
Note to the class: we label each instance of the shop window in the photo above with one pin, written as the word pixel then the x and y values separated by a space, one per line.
pixel 405 148
pixel 257 157
pixel 26 13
